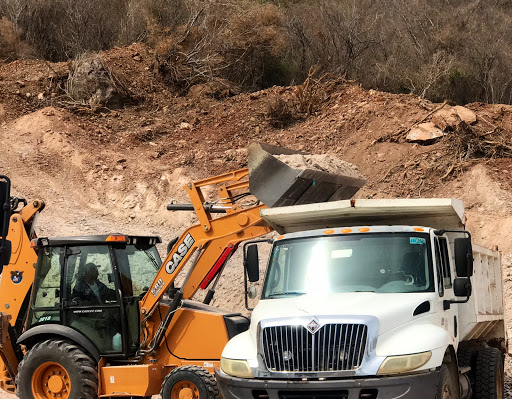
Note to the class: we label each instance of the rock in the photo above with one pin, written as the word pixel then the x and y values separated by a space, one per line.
pixel 465 114
pixel 40 96
pixel 424 132
pixel 185 126
pixel 446 119
pixel 137 58
pixel 90 82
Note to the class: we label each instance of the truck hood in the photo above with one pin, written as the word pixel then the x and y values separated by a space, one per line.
pixel 392 310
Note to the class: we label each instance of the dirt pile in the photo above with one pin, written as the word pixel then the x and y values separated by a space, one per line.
pixel 323 162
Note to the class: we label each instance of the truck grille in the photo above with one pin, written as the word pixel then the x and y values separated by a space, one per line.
pixel 332 347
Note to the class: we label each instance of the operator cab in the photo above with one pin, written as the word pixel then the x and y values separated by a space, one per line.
pixel 92 285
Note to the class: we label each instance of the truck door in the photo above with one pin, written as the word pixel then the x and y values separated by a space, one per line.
pixel 449 316
pixel 91 302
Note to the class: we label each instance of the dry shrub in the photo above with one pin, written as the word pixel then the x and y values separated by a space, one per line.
pixel 238 42
pixel 280 114
pixel 253 45
pixel 467 143
pixel 187 58
pixel 312 93
pixel 11 46
pixel 462 146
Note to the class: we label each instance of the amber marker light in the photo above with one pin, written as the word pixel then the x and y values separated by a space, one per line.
pixel 364 229
pixel 328 231
pixel 280 237
pixel 116 239
pixel 346 230
pixel 418 229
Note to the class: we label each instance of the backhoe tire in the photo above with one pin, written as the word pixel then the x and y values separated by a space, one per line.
pixel 448 387
pixel 57 369
pixel 192 382
pixel 489 374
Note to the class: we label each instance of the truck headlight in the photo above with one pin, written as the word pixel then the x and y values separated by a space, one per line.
pixel 404 363
pixel 236 368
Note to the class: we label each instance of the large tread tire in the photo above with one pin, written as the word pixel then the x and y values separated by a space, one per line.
pixel 448 387
pixel 466 357
pixel 489 375
pixel 194 378
pixel 81 371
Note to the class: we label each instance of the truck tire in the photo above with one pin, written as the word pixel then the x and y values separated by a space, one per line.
pixel 448 387
pixel 489 374
pixel 192 382
pixel 57 368
pixel 466 357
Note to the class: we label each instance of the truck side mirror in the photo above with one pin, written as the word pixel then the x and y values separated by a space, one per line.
pixel 463 257
pixel 252 263
pixel 462 286
pixel 5 214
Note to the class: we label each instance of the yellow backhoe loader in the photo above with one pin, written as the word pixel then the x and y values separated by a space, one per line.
pixel 100 316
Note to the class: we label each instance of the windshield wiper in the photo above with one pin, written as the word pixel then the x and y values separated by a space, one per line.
pixel 294 293
pixel 152 258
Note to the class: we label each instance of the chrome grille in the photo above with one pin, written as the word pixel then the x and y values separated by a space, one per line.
pixel 333 347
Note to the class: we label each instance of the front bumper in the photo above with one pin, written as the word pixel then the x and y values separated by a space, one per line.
pixel 413 386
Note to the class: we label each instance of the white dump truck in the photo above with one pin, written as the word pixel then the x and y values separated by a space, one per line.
pixel 371 299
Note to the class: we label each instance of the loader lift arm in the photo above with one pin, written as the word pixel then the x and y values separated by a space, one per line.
pixel 206 243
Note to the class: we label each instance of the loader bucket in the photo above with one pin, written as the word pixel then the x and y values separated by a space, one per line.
pixel 275 183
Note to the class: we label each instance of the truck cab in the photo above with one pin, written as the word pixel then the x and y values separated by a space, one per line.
pixel 374 310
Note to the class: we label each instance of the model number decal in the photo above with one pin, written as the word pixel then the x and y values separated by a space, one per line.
pixel 417 240
pixel 158 287
pixel 178 256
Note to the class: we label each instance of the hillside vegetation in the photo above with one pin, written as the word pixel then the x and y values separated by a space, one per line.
pixel 440 49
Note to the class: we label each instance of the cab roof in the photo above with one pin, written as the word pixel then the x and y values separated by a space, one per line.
pixel 95 240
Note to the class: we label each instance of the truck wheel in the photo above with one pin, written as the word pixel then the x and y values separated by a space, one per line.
pixel 448 387
pixel 189 382
pixel 466 357
pixel 57 368
pixel 489 374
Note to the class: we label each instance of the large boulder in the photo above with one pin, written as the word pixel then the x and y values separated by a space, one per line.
pixel 447 119
pixel 91 83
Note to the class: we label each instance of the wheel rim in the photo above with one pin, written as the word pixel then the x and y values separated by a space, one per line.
pixel 447 393
pixel 50 380
pixel 184 390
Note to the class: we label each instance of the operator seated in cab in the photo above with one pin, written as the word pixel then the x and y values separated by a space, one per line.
pixel 91 291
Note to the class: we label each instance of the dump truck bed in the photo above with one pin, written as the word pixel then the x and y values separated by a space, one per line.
pixel 482 317
pixel 446 213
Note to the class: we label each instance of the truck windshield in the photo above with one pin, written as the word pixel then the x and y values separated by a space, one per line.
pixel 379 262
pixel 138 266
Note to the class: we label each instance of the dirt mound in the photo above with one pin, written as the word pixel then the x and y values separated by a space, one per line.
pixel 322 162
